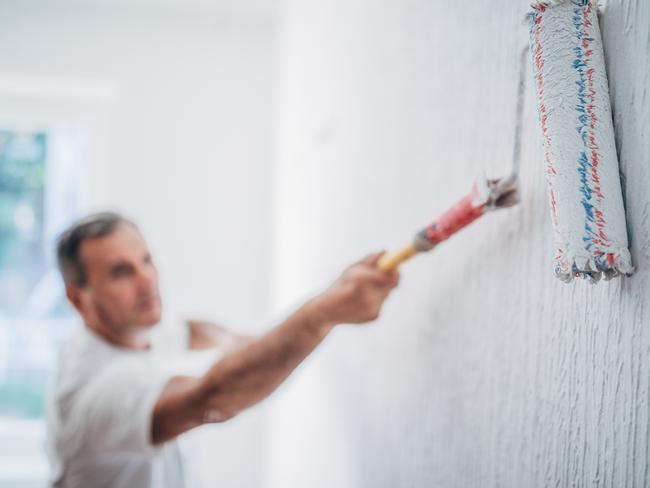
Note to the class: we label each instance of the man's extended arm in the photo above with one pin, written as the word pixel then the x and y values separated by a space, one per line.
pixel 250 374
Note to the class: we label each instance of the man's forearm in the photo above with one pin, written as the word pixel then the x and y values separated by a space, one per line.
pixel 253 372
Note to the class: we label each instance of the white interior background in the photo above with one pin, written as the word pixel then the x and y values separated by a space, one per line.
pixel 175 100
pixel 263 146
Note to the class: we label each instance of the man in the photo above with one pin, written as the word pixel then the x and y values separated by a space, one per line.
pixel 117 408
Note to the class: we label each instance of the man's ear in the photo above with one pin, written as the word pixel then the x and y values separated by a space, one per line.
pixel 74 297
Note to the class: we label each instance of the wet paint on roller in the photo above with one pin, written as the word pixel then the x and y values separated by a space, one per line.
pixel 578 138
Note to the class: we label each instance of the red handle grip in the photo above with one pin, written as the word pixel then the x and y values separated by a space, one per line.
pixel 460 215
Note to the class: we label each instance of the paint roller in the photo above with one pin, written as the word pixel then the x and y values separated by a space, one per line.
pixel 579 151
pixel 578 139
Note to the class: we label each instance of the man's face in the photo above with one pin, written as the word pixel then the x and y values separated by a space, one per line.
pixel 121 290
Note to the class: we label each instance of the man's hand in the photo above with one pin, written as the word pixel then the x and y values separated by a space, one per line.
pixel 357 296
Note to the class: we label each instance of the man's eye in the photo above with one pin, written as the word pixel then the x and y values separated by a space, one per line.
pixel 121 271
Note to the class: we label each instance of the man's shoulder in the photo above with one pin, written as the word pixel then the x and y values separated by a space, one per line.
pixel 83 352
pixel 86 358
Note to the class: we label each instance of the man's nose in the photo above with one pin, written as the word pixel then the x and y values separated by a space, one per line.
pixel 147 279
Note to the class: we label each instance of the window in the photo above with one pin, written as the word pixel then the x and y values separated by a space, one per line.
pixel 38 197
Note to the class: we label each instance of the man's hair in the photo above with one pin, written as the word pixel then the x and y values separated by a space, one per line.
pixel 69 243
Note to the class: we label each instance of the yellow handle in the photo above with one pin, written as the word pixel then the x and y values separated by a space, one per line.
pixel 389 262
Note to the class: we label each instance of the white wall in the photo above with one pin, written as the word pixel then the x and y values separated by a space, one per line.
pixel 484 369
pixel 178 110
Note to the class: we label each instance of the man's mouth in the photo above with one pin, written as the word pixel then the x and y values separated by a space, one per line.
pixel 148 303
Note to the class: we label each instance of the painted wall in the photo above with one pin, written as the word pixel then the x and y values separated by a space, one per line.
pixel 484 370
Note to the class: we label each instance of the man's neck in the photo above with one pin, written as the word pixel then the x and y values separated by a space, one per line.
pixel 136 340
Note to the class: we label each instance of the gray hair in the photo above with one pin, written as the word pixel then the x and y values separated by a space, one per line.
pixel 69 243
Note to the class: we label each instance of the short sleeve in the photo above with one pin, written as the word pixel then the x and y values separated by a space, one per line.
pixel 114 412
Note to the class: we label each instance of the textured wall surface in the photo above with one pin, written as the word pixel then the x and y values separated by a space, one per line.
pixel 484 370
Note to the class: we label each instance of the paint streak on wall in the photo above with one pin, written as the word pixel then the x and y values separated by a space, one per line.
pixel 484 370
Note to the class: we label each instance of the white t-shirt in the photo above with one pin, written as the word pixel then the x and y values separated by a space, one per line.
pixel 99 415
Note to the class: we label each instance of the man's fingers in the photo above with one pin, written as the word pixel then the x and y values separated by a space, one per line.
pixel 380 278
pixel 368 270
pixel 373 259
pixel 384 278
pixel 393 277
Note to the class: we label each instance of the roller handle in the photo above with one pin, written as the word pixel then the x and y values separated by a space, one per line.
pixel 457 217
pixel 391 261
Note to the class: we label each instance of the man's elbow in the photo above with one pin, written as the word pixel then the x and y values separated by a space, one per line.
pixel 216 405
pixel 213 415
